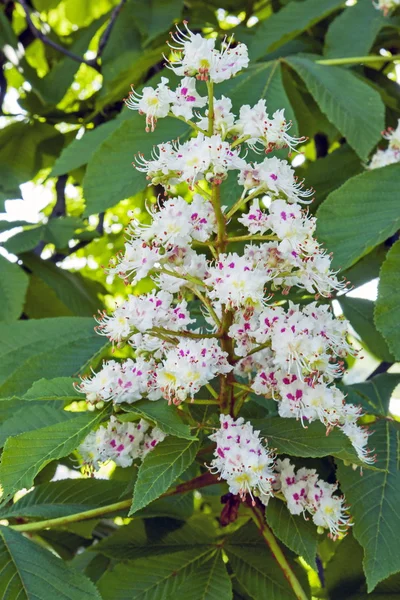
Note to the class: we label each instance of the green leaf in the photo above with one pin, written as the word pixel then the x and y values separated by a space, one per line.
pixel 210 581
pixel 260 81
pixel 349 103
pixel 353 32
pixel 44 348
pixel 344 573
pixel 13 286
pixel 328 173
pixel 110 176
pixel 30 418
pixel 156 17
pixel 28 572
pixel 289 437
pixel 360 313
pixel 373 498
pixel 73 290
pixel 80 151
pixel 351 222
pixel 26 454
pixel 60 230
pixel 166 417
pixel 255 567
pixel 66 497
pixel 152 578
pixel 293 530
pixel 288 23
pixel 160 468
pixel 25 240
pixel 59 388
pixel 374 395
pixel 132 541
pixel 367 268
pixel 387 309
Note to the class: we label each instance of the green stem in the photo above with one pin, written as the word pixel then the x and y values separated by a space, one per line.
pixel 243 387
pixel 240 140
pixel 277 553
pixel 201 481
pixel 188 122
pixel 213 393
pixel 208 305
pixel 202 192
pixel 199 401
pixel 185 334
pixel 244 238
pixel 241 201
pixel 187 278
pixel 355 60
pixel 210 88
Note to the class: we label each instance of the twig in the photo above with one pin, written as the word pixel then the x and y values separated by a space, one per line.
pixel 107 32
pixel 41 36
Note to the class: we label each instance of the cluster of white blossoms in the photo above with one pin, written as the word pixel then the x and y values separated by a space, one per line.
pixel 210 323
pixel 306 493
pixel 391 154
pixel 244 461
pixel 119 442
pixel 386 6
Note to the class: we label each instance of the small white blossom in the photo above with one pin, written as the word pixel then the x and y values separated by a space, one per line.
pixel 224 119
pixel 242 459
pixel 119 442
pixel 186 99
pixel 154 103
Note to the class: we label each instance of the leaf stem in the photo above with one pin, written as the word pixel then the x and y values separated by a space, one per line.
pixel 244 238
pixel 355 60
pixel 188 122
pixel 196 483
pixel 210 88
pixel 277 553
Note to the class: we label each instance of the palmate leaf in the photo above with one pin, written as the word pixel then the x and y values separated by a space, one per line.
pixel 210 581
pixel 387 310
pixel 350 104
pixel 13 285
pixel 293 530
pixel 30 418
pixel 373 498
pixel 152 578
pixel 160 468
pixel 287 436
pixel 28 572
pixel 288 23
pixel 351 222
pixel 66 497
pixel 25 455
pixel 360 313
pixel 255 567
pixel 132 541
pixel 44 348
pixel 58 388
pixel 375 394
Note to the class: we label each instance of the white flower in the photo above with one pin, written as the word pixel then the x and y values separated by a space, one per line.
pixel 154 103
pixel 186 99
pixel 137 261
pixel 382 158
pixel 242 459
pixel 197 56
pixel 235 282
pixel 120 442
pixel 304 492
pixel 224 119
pixel 270 133
pixel 187 367
pixel 276 177
pixel 386 5
pixel 393 135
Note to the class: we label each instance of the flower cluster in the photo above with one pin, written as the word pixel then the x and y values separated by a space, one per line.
pixel 242 459
pixel 386 5
pixel 210 324
pixel 391 154
pixel 119 442
pixel 305 493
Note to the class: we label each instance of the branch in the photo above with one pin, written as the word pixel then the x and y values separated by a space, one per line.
pixel 201 481
pixel 41 36
pixel 277 553
pixel 357 60
pixel 107 32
